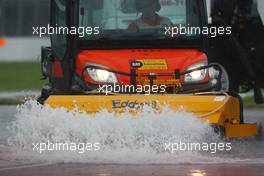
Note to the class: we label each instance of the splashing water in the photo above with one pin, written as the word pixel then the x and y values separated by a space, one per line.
pixel 123 138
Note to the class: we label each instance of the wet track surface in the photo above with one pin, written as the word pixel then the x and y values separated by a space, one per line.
pixel 138 170
pixel 249 160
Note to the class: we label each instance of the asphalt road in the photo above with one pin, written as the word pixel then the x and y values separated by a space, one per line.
pixel 252 156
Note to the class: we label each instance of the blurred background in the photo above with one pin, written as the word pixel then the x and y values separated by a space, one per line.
pixel 17 18
pixel 20 50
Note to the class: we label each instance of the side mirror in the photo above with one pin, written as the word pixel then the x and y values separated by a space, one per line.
pixel 46 62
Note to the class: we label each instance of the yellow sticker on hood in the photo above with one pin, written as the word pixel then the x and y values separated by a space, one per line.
pixel 153 64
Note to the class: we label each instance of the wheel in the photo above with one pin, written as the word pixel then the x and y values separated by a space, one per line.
pixel 225 79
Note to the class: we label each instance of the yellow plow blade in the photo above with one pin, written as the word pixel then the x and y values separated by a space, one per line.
pixel 219 110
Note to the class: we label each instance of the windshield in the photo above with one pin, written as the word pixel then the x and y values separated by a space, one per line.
pixel 136 19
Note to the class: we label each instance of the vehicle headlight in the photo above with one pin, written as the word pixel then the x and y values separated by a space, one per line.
pixel 102 76
pixel 197 75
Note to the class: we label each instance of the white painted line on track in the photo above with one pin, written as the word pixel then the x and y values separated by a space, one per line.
pixel 24 166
